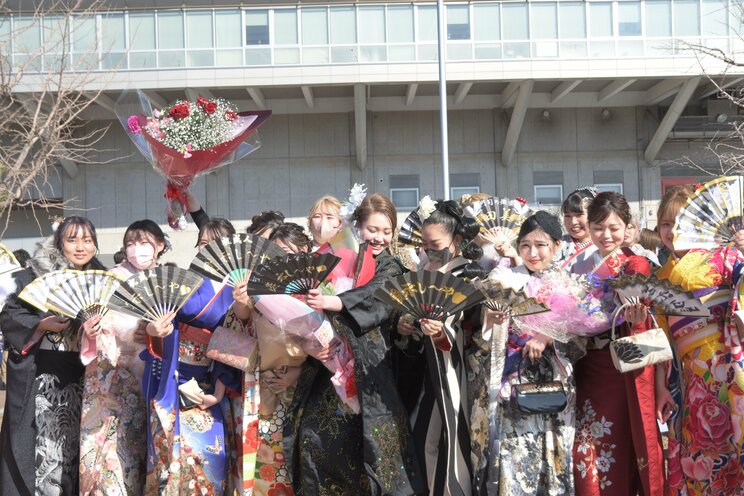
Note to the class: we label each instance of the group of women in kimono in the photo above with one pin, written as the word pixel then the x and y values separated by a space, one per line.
pixel 94 408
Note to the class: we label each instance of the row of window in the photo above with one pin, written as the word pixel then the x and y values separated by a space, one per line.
pixel 368 33
pixel 548 187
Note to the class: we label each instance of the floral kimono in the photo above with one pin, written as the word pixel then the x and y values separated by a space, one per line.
pixel 573 252
pixel 706 444
pixel 617 450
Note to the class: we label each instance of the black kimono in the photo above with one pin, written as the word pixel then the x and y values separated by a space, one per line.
pixel 333 451
pixel 40 437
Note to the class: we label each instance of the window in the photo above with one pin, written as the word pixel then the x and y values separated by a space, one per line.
pixel 572 20
pixel 285 27
pixel 514 21
pixel 600 19
pixel 486 19
pixel 458 22
pixel 686 18
pixel 404 191
pixel 257 27
pixel 543 21
pixel 404 198
pixel 457 192
pixel 609 181
pixel 629 18
pixel 715 17
pixel 427 23
pixel 84 43
pixel 548 187
pixel 26 37
pixel 464 184
pixel 616 187
pixel 400 23
pixel 170 30
pixel 343 25
pixel 142 41
pixel 314 26
pixel 658 18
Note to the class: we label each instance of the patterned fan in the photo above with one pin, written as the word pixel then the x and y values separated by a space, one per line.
pixel 83 295
pixel 665 298
pixel 37 291
pixel 232 258
pixel 508 300
pixel 429 295
pixel 297 273
pixel 499 219
pixel 152 294
pixel 712 215
pixel 8 262
pixel 410 232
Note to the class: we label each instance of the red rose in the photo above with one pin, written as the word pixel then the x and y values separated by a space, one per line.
pixel 231 116
pixel 201 101
pixel 726 477
pixel 179 111
pixel 710 424
pixel 280 489
pixel 351 389
pixel 675 465
pixel 210 107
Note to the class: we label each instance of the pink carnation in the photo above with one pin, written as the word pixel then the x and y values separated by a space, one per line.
pixel 134 125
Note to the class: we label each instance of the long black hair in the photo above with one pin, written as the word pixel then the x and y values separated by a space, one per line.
pixel 450 215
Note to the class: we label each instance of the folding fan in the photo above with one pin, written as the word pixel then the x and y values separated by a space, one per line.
pixel 154 293
pixel 296 273
pixel 712 215
pixel 409 233
pixel 505 217
pixel 83 295
pixel 37 291
pixel 8 262
pixel 665 298
pixel 232 258
pixel 509 301
pixel 429 295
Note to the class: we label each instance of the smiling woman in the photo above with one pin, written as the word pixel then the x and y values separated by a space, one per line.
pixel 41 425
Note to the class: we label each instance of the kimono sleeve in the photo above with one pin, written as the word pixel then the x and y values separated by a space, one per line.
pixel 207 307
pixel 18 319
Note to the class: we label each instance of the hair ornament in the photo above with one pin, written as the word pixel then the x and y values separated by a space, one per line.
pixel 426 207
pixel 356 196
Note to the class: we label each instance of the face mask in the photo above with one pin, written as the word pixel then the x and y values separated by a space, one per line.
pixel 326 228
pixel 439 257
pixel 141 256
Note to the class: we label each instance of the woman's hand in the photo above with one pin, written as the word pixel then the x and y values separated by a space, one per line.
pixel 665 405
pixel 207 400
pixel 636 312
pixel 534 348
pixel 52 323
pixel 495 318
pixel 140 334
pixel 92 327
pixel 433 328
pixel 320 302
pixel 282 378
pixel 312 347
pixel 405 326
pixel 506 250
pixel 161 327
pixel 243 306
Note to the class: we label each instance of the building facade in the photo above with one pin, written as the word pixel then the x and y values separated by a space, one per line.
pixel 544 97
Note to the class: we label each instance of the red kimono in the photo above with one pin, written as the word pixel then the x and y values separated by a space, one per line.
pixel 617 449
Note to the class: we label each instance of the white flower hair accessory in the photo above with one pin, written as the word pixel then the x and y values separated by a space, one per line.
pixel 426 207
pixel 356 196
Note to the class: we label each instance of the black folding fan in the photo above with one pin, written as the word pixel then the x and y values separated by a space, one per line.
pixel 233 258
pixel 296 273
pixel 508 300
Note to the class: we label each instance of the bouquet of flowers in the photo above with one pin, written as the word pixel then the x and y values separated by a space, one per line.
pixel 579 306
pixel 187 139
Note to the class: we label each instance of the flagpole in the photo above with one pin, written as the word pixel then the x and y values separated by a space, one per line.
pixel 442 45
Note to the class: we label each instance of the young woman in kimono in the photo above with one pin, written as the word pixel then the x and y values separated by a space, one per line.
pixel 617 450
pixel 40 435
pixel 187 448
pixel 516 454
pixel 441 419
pixel 331 449
pixel 577 244
pixel 706 440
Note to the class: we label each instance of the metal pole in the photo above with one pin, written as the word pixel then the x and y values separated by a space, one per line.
pixel 442 42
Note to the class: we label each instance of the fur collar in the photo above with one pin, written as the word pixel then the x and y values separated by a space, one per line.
pixel 8 286
pixel 47 258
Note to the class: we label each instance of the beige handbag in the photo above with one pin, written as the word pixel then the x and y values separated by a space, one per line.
pixel 639 350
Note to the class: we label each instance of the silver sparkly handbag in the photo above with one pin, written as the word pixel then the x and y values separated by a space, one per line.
pixel 639 350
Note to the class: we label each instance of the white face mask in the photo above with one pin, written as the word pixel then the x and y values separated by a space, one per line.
pixel 325 229
pixel 141 256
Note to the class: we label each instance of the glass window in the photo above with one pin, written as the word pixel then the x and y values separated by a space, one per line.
pixel 84 34
pixel 715 18
pixel 614 187
pixel 458 22
pixel 629 18
pixel 486 26
pixel 228 30
pixel 55 33
pixel 514 21
pixel 343 25
pixel 285 27
pixel 406 198
pixel 549 194
pixel 543 21
pixel 400 23
pixel 27 37
pixel 199 28
pixel 372 24
pixel 686 18
pixel 314 27
pixel 257 27
pixel 113 32
pixel 572 20
pixel 427 23
pixel 658 18
pixel 600 19
pixel 170 31
pixel 5 35
pixel 459 191
pixel 141 31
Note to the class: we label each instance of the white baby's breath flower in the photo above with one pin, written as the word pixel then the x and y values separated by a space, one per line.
pixel 426 207
pixel 357 194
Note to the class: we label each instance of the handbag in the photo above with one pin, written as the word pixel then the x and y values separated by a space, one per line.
pixel 639 350
pixel 538 398
pixel 232 347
